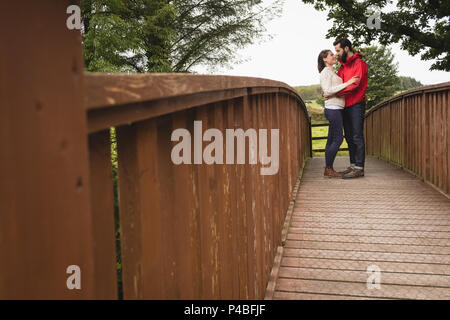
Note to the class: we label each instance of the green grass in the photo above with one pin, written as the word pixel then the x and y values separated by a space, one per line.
pixel 320 144
pixel 315 106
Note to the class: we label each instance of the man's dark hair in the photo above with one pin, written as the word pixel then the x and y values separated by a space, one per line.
pixel 344 42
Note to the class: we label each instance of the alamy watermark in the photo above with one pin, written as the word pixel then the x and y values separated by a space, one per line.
pixel 74 280
pixel 374 279
pixel 374 17
pixel 74 20
pixel 373 14
pixel 214 153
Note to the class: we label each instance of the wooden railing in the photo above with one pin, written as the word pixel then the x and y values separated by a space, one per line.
pixel 193 231
pixel 412 131
pixel 187 231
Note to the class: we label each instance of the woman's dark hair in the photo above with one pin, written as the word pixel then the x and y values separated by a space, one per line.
pixel 344 42
pixel 320 63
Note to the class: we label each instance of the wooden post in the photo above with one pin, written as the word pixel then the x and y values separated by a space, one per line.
pixel 45 215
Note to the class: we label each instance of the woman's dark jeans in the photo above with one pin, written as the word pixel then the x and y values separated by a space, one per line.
pixel 335 136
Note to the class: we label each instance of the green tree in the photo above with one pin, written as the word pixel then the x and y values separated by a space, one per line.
pixel 320 100
pixel 169 36
pixel 407 83
pixel 308 93
pixel 127 35
pixel 421 26
pixel 383 74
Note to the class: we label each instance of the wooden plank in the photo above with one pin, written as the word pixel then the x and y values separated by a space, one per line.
pixel 428 139
pixel 224 222
pixel 182 226
pixel 102 203
pixel 369 135
pixel 359 289
pixel 208 220
pixel 371 232
pixel 422 136
pixel 414 128
pixel 241 214
pixel 432 138
pixel 278 215
pixel 447 106
pixel 370 256
pixel 100 119
pixel 130 216
pixel 257 206
pixel 361 265
pixel 46 219
pixel 369 247
pixel 361 276
pixel 109 90
pixel 404 134
pixel 266 205
pixel 442 145
pixel 234 226
pixel 444 149
pixel 279 208
pixel 250 172
pixel 313 296
pixel 409 131
pixel 416 134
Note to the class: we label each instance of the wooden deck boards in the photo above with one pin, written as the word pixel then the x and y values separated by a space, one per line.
pixel 338 228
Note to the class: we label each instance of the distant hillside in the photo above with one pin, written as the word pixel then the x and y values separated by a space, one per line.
pixel 309 93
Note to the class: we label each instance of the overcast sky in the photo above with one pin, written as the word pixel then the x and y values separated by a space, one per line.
pixel 298 37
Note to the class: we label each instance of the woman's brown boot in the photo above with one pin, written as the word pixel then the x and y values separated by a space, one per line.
pixel 330 173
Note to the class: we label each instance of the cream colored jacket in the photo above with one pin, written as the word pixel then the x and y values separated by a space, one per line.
pixel 331 84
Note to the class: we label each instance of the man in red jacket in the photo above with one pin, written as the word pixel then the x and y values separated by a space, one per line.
pixel 355 105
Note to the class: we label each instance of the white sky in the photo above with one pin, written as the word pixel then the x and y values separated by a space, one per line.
pixel 298 37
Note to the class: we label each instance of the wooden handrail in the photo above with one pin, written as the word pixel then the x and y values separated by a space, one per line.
pixel 193 231
pixel 411 130
pixel 431 88
pixel 117 99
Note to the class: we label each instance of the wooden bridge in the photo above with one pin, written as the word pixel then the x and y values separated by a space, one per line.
pixel 221 231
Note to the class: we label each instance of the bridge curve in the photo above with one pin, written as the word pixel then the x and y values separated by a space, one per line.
pixel 396 220
pixel 342 231
pixel 412 130
pixel 194 231
pixel 186 232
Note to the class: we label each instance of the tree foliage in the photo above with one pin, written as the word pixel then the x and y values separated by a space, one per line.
pixel 420 26
pixel 407 83
pixel 383 74
pixel 309 93
pixel 170 36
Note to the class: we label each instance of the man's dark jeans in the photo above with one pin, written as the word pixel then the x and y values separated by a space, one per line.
pixel 353 117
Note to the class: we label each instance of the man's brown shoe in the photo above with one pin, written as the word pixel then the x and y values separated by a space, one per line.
pixel 330 173
pixel 355 173
pixel 348 170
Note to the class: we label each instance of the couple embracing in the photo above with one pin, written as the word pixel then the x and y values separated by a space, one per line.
pixel 345 106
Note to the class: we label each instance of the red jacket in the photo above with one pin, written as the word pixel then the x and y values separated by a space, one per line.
pixel 356 92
